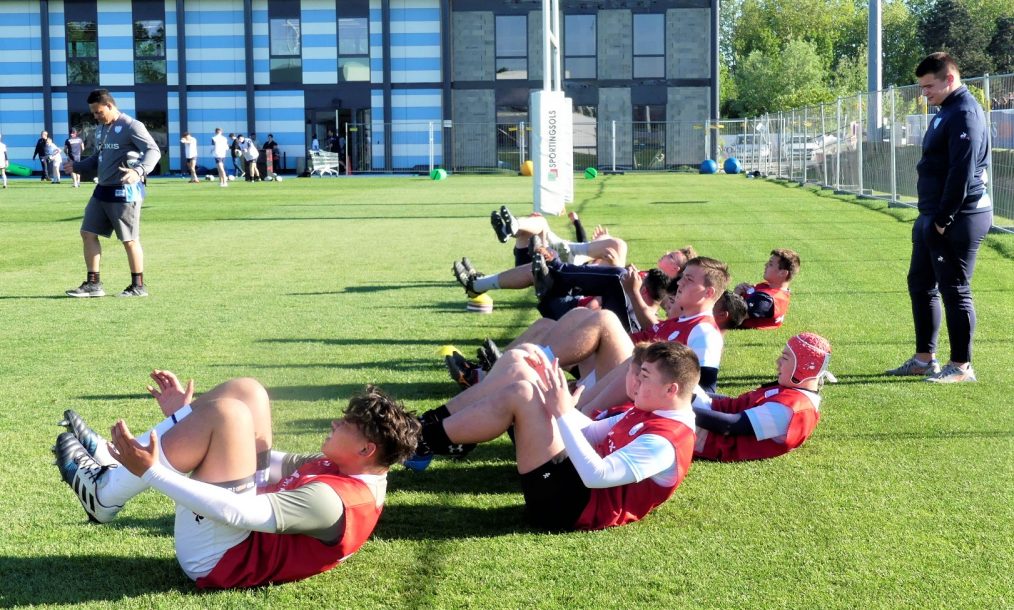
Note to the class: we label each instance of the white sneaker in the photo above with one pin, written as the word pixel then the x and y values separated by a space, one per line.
pixel 913 367
pixel 83 474
pixel 951 373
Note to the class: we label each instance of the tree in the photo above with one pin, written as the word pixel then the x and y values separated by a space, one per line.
pixel 1001 48
pixel 949 26
pixel 903 49
pixel 787 79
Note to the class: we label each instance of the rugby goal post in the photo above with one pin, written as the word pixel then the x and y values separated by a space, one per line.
pixel 553 124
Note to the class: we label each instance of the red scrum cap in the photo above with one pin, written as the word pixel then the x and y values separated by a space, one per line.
pixel 811 354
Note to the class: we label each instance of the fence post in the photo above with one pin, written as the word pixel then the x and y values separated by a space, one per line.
pixel 989 137
pixel 521 145
pixel 805 158
pixel 707 138
pixel 781 136
pixel 894 155
pixel 837 150
pixel 613 144
pixel 859 141
pixel 823 147
pixel 431 147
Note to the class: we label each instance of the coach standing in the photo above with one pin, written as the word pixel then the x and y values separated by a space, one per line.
pixel 955 213
pixel 124 154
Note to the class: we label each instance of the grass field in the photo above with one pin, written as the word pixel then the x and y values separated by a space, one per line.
pixel 902 498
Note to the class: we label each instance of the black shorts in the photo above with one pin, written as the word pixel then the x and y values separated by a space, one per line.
pixel 555 497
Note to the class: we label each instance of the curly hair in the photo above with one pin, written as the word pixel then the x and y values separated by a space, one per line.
pixel 385 423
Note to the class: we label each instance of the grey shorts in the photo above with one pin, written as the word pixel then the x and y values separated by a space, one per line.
pixel 104 217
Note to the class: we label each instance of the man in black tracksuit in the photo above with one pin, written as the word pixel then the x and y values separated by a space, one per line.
pixel 955 213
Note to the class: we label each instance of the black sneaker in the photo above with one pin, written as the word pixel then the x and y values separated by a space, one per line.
pixel 505 225
pixel 466 279
pixel 87 289
pixel 462 372
pixel 93 443
pixel 84 476
pixel 488 354
pixel 467 264
pixel 133 291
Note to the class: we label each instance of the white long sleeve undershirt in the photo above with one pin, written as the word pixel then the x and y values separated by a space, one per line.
pixel 647 456
pixel 244 511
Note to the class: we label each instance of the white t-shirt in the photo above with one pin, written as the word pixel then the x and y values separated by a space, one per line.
pixel 189 147
pixel 219 146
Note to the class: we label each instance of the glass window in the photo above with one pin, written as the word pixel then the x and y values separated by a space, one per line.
pixel 649 46
pixel 149 51
pixel 82 53
pixel 286 61
pixel 511 47
pixel 149 38
pixel 353 69
pixel 354 36
pixel 579 46
pixel 579 35
pixel 285 37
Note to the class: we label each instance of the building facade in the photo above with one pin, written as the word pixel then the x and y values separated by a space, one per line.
pixel 399 82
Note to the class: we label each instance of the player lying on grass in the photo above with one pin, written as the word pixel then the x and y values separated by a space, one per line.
pixel 773 419
pixel 768 302
pixel 596 341
pixel 245 515
pixel 602 246
pixel 577 473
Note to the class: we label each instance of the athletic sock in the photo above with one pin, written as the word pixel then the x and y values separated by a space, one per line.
pixel 262 476
pixel 580 248
pixel 119 484
pixel 486 282
pixel 137 279
pixel 93 277
pixel 434 439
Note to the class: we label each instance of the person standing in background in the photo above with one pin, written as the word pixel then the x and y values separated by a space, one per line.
pixel 74 146
pixel 189 143
pixel 955 213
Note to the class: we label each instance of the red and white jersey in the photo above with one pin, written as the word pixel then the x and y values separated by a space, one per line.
pixel 805 408
pixel 780 299
pixel 700 333
pixel 274 558
pixel 611 506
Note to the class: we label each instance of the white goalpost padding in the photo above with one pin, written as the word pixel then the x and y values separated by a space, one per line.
pixel 552 124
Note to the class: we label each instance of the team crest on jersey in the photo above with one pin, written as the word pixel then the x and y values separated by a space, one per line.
pixel 635 429
pixel 936 122
pixel 118 129
pixel 673 336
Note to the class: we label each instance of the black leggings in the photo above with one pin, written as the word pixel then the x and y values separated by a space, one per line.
pixel 941 269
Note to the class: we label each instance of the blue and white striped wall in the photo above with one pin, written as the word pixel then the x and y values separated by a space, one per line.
pixel 415 41
pixel 21 44
pixel 215 43
pixel 412 112
pixel 281 113
pixel 116 43
pixel 172 47
pixel 21 116
pixel 319 21
pixel 57 44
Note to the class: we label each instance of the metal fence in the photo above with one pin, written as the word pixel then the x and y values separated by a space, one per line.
pixel 503 147
pixel 868 144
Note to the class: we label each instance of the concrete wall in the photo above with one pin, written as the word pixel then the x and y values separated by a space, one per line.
pixel 474 53
pixel 474 113
pixel 688 43
pixel 614 105
pixel 615 45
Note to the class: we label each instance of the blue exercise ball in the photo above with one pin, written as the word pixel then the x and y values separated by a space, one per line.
pixel 708 166
pixel 732 166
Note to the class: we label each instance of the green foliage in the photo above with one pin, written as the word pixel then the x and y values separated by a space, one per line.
pixel 788 79
pixel 902 497
pixel 949 26
pixel 1001 47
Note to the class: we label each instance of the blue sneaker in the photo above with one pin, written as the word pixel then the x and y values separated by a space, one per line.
pixel 418 462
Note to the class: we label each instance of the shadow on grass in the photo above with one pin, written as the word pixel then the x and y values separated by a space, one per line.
pixel 62 579
pixel 36 297
pixel 941 434
pixel 386 287
pixel 449 522
pixel 394 216
pixel 437 342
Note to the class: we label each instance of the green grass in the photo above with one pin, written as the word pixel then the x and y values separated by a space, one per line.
pixel 902 497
